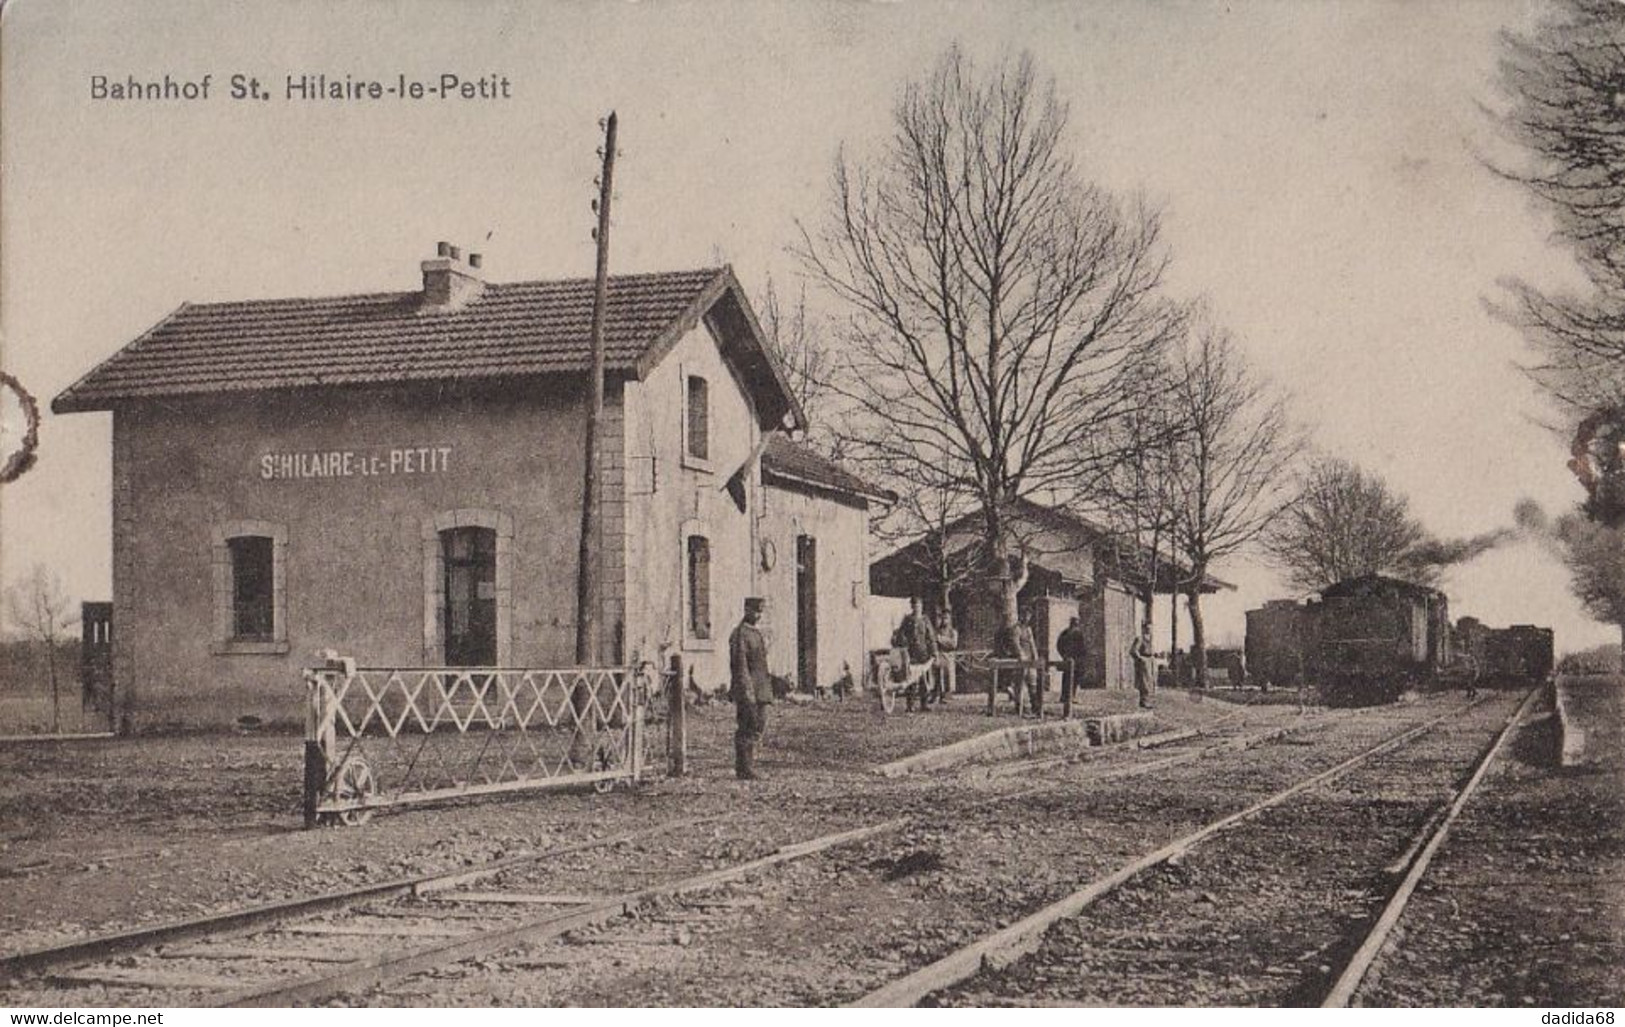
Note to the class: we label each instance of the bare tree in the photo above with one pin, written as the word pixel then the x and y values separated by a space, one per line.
pixel 1563 82
pixel 930 514
pixel 1136 499
pixel 1566 86
pixel 42 611
pixel 803 353
pixel 997 303
pixel 1231 465
pixel 1344 523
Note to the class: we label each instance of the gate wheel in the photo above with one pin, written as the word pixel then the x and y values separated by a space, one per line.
pixel 354 783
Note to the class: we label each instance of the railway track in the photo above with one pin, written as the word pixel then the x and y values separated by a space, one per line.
pixel 553 905
pixel 1195 923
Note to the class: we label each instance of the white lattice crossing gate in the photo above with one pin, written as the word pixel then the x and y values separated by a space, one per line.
pixel 378 737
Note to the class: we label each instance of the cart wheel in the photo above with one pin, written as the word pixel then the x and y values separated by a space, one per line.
pixel 355 783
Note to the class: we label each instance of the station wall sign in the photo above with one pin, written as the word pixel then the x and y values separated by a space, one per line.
pixel 370 462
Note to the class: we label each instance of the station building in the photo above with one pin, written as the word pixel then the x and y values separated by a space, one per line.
pixel 397 476
pixel 1074 568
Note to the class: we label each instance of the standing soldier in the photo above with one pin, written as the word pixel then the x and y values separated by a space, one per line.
pixel 750 687
pixel 1139 651
pixel 1035 669
pixel 918 640
pixel 1073 650
pixel 947 642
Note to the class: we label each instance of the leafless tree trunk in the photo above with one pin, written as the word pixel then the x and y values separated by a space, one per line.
pixel 998 304
pixel 42 611
pixel 1231 465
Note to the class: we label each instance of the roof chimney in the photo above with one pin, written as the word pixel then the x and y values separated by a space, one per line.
pixel 448 282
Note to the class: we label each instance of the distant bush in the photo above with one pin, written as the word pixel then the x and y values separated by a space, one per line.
pixel 1602 659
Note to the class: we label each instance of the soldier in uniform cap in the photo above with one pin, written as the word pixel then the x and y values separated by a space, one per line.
pixel 749 686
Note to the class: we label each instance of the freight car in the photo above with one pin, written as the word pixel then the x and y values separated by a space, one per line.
pixel 1520 655
pixel 1277 634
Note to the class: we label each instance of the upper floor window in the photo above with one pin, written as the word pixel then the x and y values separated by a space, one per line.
pixel 697 441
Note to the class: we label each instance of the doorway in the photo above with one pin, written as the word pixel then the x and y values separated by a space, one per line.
pixel 469 555
pixel 806 613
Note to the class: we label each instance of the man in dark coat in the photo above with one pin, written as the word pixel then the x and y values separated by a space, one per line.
pixel 750 687
pixel 918 640
pixel 1073 650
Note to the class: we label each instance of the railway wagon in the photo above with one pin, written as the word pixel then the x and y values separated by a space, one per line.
pixel 1376 637
pixel 1371 638
pixel 1522 654
pixel 1277 633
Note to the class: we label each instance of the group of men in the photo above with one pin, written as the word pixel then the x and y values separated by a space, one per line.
pixel 928 651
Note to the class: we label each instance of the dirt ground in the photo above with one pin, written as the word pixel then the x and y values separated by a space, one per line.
pixel 1525 905
pixel 99 835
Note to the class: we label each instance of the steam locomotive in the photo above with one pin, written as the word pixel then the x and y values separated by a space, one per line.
pixel 1371 638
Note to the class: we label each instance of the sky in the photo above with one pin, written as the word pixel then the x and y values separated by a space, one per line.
pixel 1320 167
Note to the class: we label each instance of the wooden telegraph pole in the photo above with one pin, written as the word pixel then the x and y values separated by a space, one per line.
pixel 588 586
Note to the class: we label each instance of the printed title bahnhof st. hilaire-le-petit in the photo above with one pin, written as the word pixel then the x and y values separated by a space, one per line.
pixel 317 87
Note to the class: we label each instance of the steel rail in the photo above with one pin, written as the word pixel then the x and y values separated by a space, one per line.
pixel 15 965
pixel 1024 936
pixel 233 921
pixel 391 965
pixel 1434 831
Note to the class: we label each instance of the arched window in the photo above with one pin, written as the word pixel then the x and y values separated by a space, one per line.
pixel 467 588
pixel 698 588
pixel 250 589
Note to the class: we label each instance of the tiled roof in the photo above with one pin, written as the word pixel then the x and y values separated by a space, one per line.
pixel 796 463
pixel 903 564
pixel 510 329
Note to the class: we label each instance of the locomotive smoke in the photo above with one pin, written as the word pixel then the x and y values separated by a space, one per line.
pixel 1534 524
pixel 1529 520
pixel 1447 552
